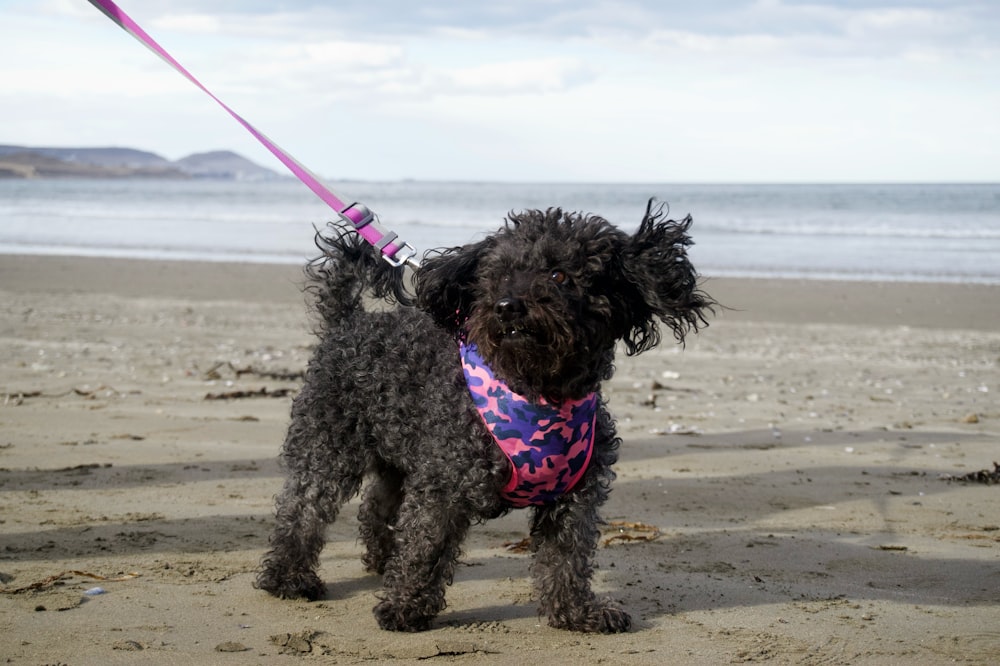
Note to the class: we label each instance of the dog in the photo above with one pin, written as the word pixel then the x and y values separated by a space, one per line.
pixel 419 399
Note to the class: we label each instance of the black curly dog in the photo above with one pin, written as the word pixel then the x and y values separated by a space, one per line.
pixel 546 299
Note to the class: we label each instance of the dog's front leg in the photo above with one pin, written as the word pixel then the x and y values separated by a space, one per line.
pixel 429 534
pixel 564 538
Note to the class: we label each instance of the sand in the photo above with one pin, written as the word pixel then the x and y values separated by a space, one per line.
pixel 782 494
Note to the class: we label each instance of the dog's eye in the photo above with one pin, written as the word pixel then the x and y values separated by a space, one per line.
pixel 558 277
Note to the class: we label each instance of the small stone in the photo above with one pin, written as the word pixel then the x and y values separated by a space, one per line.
pixel 230 646
pixel 971 417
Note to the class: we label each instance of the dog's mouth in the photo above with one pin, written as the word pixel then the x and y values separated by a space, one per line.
pixel 515 331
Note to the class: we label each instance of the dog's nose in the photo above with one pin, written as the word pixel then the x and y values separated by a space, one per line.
pixel 508 309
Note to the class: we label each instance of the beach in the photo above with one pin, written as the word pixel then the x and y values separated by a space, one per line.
pixel 798 483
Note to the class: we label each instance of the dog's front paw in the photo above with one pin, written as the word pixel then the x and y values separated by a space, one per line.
pixel 393 617
pixel 600 617
pixel 307 585
pixel 613 620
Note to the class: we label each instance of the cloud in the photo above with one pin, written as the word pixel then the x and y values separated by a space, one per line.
pixel 189 23
pixel 522 89
pixel 506 77
pixel 770 30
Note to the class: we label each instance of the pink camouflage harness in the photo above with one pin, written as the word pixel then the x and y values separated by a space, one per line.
pixel 549 446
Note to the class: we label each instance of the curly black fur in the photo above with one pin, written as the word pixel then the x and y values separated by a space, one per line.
pixel 546 299
pixel 557 337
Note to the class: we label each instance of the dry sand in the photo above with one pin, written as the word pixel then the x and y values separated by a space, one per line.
pixel 791 459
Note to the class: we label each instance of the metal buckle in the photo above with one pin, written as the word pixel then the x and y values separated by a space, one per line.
pixel 368 217
pixel 410 258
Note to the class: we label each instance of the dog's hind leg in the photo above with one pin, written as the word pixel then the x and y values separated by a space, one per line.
pixel 429 534
pixel 319 483
pixel 564 538
pixel 378 514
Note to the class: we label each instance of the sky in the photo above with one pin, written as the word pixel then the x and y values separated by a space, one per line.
pixel 649 91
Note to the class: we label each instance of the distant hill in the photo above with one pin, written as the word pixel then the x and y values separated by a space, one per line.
pixel 48 162
pixel 27 163
pixel 223 164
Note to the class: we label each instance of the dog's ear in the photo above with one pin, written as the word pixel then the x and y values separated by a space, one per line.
pixel 662 285
pixel 445 283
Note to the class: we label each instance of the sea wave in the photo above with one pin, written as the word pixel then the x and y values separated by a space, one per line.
pixel 969 230
pixel 840 232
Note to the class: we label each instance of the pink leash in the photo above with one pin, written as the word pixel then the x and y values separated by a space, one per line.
pixel 393 250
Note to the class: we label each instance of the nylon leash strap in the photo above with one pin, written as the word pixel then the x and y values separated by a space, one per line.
pixel 364 222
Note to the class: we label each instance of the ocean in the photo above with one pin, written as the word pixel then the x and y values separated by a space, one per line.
pixel 927 233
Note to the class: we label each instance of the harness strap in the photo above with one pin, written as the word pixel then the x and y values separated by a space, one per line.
pixel 365 223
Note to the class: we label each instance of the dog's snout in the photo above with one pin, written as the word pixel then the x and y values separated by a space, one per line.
pixel 507 309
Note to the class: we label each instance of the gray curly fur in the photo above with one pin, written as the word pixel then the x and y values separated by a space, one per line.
pixel 546 299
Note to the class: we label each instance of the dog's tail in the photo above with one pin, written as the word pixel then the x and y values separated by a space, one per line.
pixel 348 269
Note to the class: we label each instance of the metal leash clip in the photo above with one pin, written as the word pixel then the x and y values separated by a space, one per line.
pixel 360 216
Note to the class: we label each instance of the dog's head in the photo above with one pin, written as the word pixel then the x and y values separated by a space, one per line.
pixel 548 296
